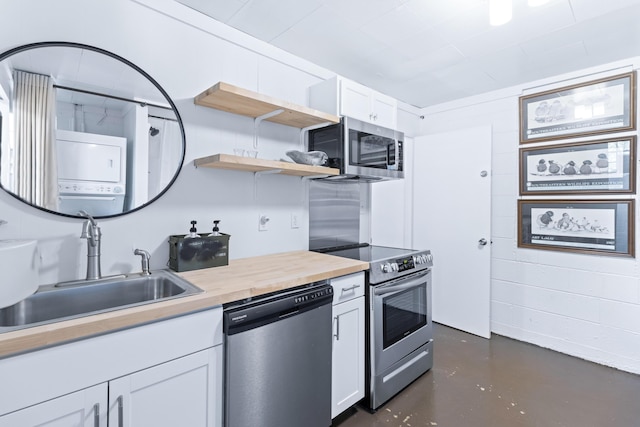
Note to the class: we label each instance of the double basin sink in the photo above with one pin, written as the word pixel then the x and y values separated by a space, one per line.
pixel 64 301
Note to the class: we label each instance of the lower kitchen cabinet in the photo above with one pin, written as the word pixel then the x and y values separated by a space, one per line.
pixel 167 373
pixel 183 392
pixel 347 382
pixel 84 408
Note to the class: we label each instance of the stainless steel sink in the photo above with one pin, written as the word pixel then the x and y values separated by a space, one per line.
pixel 54 303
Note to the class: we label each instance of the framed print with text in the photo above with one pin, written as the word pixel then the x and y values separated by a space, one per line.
pixel 600 106
pixel 597 167
pixel 603 227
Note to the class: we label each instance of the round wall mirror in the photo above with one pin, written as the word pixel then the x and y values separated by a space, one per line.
pixel 82 129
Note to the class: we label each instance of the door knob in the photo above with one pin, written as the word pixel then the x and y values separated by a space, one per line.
pixel 483 242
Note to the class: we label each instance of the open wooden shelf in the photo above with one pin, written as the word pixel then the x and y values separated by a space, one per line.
pixel 228 161
pixel 232 99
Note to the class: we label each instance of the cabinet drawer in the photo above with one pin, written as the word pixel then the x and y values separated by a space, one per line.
pixel 347 287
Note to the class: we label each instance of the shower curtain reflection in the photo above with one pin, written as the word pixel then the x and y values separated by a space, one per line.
pixel 165 152
pixel 36 178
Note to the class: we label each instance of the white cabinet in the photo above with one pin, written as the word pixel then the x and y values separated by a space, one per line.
pixel 186 391
pixel 166 373
pixel 84 408
pixel 347 98
pixel 182 392
pixel 347 382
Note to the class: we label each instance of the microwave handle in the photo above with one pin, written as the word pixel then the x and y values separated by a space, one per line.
pixel 396 148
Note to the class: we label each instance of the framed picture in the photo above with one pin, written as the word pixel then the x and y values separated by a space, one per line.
pixel 603 166
pixel 599 106
pixel 585 226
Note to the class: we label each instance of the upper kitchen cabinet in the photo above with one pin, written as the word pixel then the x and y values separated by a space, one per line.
pixel 347 98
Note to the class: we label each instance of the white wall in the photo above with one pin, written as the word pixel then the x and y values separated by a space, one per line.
pixel 185 60
pixel 584 305
pixel 392 207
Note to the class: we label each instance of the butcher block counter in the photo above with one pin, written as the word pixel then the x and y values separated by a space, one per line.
pixel 242 278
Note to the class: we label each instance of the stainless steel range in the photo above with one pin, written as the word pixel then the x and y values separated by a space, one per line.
pixel 398 292
pixel 399 329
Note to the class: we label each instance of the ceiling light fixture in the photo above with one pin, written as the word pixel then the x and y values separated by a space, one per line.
pixel 499 12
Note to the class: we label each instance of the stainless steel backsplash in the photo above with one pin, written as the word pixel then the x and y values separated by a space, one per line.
pixel 334 214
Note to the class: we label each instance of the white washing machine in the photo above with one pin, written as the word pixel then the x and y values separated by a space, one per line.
pixel 91 173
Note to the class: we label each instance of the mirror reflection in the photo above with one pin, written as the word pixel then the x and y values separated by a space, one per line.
pixel 83 129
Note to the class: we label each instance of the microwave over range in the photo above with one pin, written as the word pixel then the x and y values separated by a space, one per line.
pixel 362 151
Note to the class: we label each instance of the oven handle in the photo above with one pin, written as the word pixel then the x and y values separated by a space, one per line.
pixel 400 284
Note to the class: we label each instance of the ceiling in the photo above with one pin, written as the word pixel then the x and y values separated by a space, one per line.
pixel 426 52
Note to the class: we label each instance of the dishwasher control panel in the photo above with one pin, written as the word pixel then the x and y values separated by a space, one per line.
pixel 312 295
pixel 250 313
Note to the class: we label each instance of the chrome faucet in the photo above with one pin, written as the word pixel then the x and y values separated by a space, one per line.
pixel 91 232
pixel 145 260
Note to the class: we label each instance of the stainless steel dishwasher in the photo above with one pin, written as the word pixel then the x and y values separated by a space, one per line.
pixel 278 359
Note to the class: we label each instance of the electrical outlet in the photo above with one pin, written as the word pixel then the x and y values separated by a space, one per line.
pixel 295 221
pixel 263 222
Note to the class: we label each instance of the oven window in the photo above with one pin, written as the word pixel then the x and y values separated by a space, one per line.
pixel 403 313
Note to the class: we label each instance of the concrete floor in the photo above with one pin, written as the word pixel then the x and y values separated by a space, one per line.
pixel 503 382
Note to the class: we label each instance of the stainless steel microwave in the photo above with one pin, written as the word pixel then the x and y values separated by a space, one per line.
pixel 362 151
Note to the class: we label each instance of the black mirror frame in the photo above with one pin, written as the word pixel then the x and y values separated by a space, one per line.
pixel 29 46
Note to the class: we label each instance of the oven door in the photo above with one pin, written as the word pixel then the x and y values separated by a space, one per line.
pixel 401 319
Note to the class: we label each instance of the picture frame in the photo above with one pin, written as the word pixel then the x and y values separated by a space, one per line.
pixel 606 166
pixel 604 227
pixel 596 107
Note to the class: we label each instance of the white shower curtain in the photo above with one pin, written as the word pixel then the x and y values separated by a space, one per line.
pixel 165 150
pixel 34 112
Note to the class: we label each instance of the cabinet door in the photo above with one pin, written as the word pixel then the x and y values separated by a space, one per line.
pixel 385 110
pixel 182 392
pixel 355 101
pixel 86 408
pixel 347 382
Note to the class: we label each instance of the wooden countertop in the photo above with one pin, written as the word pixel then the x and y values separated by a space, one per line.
pixel 242 278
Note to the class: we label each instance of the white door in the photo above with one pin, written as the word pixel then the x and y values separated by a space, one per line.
pixel 84 408
pixel 182 392
pixel 452 218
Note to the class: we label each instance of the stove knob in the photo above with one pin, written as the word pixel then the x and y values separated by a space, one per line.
pixel 394 266
pixel 386 268
pixel 429 257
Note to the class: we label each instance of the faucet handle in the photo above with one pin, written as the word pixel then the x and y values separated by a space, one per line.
pixel 85 214
pixel 145 260
pixel 85 230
